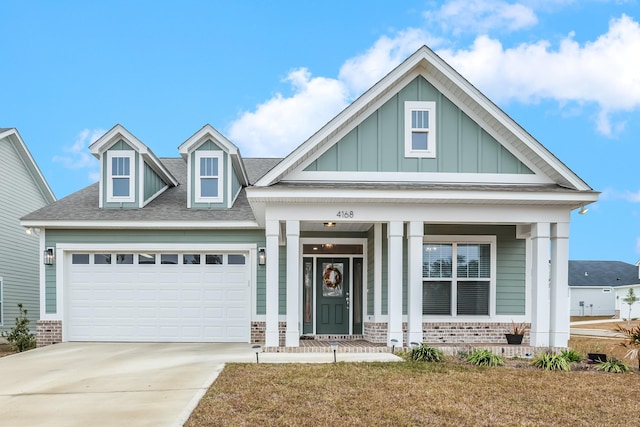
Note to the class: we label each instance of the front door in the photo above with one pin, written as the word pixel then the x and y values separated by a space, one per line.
pixel 332 290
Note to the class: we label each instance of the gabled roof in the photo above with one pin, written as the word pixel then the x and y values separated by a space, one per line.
pixel 11 136
pixel 117 133
pixel 456 88
pixel 209 132
pixel 602 273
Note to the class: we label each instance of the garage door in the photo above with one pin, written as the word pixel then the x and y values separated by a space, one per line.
pixel 158 297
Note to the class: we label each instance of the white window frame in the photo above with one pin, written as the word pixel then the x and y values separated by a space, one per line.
pixel 464 240
pixel 430 107
pixel 130 154
pixel 209 154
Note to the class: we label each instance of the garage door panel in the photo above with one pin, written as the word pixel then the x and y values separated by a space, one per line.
pixel 155 302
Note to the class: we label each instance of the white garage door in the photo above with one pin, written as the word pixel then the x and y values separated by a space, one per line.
pixel 158 297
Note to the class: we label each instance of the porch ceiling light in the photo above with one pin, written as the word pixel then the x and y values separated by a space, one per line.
pixel 329 224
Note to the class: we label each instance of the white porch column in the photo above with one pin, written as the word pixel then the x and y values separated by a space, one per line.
pixel 272 232
pixel 293 284
pixel 540 284
pixel 559 299
pixel 394 282
pixel 414 291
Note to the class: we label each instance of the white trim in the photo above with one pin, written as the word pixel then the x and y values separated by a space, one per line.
pixel 198 176
pixel 143 224
pixel 159 192
pixel 133 176
pixel 377 270
pixel 2 304
pixel 430 177
pixel 454 240
pixel 430 130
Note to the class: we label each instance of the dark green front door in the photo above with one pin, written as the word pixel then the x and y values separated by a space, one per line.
pixel 332 305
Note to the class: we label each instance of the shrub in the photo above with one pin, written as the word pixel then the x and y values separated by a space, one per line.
pixel 20 337
pixel 424 353
pixel 551 362
pixel 483 357
pixel 572 355
pixel 613 366
pixel 631 342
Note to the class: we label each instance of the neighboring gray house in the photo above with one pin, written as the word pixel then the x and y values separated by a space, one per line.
pixel 22 190
pixel 421 212
pixel 592 285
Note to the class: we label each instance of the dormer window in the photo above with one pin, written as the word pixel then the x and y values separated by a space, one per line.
pixel 208 176
pixel 420 129
pixel 120 179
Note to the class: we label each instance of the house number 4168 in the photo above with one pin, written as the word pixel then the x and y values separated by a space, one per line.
pixel 345 214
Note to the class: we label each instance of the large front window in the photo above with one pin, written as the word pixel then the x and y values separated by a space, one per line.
pixel 457 278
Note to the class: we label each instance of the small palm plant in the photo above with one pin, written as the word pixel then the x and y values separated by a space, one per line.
pixel 631 342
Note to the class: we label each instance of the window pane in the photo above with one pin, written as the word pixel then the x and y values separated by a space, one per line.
pixel 419 141
pixel 208 166
pixel 120 166
pixel 146 258
pixel 191 259
pixel 80 259
pixel 436 298
pixel 213 259
pixel 420 119
pixel 437 260
pixel 473 298
pixel 169 259
pixel 102 259
pixel 236 259
pixel 124 259
pixel 474 261
pixel 121 187
pixel 208 187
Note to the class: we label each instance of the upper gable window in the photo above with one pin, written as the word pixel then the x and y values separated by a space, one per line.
pixel 420 129
pixel 208 176
pixel 120 180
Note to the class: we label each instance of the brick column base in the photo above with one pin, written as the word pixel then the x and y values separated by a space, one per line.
pixel 48 332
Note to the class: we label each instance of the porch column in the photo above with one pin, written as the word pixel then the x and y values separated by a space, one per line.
pixel 272 232
pixel 559 301
pixel 293 284
pixel 394 282
pixel 540 284
pixel 414 291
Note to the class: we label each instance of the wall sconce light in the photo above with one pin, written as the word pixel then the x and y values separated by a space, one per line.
pixel 48 256
pixel 262 256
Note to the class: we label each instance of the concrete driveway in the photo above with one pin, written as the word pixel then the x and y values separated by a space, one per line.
pixel 110 384
pixel 124 384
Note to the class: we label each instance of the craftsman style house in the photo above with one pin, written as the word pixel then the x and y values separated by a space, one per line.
pixel 421 212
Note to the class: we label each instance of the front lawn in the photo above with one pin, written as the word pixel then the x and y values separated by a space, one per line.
pixel 410 393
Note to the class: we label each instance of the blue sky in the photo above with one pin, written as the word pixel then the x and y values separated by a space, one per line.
pixel 269 74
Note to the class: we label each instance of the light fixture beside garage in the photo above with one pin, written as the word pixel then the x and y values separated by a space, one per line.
pixel 262 256
pixel 48 256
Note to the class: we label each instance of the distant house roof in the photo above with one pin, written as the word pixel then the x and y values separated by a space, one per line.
pixel 169 206
pixel 602 273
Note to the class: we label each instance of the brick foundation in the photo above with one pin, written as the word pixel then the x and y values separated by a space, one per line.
pixel 48 332
pixel 375 332
pixel 258 330
pixel 467 333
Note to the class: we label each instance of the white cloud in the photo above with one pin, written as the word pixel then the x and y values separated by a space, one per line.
pixel 78 157
pixel 481 16
pixel 626 195
pixel 603 72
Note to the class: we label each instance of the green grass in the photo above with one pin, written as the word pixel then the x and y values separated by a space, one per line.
pixel 450 393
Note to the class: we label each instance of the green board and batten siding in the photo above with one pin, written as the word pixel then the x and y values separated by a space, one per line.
pixel 19 253
pixel 152 182
pixel 377 144
pixel 53 237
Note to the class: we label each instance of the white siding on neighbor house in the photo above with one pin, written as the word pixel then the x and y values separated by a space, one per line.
pixel 598 301
pixel 19 252
pixel 621 294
